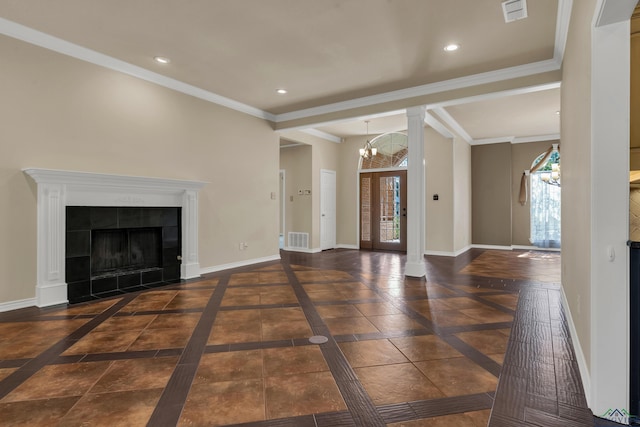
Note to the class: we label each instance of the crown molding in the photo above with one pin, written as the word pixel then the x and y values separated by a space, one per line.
pixel 323 135
pixel 38 38
pixel 29 35
pixel 536 138
pixel 516 140
pixel 562 29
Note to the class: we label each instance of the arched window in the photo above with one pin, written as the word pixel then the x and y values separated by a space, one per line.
pixel 545 200
pixel 391 152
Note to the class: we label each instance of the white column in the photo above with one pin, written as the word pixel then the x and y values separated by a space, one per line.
pixel 415 266
pixel 51 288
pixel 190 265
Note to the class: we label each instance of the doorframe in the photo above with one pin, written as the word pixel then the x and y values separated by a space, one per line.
pixel 357 182
pixel 283 207
pixel 335 196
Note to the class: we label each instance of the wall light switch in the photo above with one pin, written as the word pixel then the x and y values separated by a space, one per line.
pixel 273 195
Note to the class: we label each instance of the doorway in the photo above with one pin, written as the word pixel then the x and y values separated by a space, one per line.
pixel 383 210
pixel 327 209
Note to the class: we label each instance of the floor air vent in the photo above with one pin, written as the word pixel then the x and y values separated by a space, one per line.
pixel 298 240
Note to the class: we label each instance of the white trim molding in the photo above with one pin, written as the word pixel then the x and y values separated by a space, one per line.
pixel 238 264
pixel 16 305
pixel 580 357
pixel 38 38
pixel 58 189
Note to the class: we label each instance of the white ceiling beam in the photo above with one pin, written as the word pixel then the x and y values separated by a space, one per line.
pixel 428 89
pixel 452 123
pixel 324 135
pixel 613 11
pixel 437 126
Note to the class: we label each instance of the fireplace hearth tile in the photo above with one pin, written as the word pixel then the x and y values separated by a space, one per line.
pixel 103 217
pixel 153 276
pixel 128 280
pixel 77 269
pixel 170 237
pixel 83 222
pixel 78 218
pixel 130 218
pixel 79 291
pixel 170 256
pixel 104 284
pixel 171 272
pixel 78 243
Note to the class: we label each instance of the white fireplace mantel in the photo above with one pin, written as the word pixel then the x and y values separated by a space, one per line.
pixel 58 189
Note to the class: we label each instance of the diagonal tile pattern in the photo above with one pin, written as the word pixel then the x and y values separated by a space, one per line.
pixel 233 347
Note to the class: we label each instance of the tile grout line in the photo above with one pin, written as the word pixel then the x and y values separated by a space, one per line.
pixel 360 406
pixel 465 349
pixel 174 396
pixel 16 378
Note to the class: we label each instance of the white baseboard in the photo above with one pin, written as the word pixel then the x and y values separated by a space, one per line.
pixel 237 264
pixel 496 247
pixel 582 361
pixel 512 247
pixel 303 250
pixel 344 246
pixel 15 305
pixel 439 253
pixel 535 248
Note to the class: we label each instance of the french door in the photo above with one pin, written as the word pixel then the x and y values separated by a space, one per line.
pixel 383 210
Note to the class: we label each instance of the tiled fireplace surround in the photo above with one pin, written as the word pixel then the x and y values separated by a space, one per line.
pixel 58 190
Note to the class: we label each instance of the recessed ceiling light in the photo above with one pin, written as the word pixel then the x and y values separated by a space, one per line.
pixel 281 91
pixel 161 59
pixel 451 47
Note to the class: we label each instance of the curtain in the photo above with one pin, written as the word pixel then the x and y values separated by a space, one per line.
pixel 545 213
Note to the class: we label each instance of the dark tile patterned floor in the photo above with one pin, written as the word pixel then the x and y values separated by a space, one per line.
pixel 233 348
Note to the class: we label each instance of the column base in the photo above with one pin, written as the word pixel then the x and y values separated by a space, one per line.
pixel 190 271
pixel 51 294
pixel 415 269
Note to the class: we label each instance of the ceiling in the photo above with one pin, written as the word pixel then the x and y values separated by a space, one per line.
pixel 323 52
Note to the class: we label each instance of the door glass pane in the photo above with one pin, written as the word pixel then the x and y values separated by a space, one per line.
pixel 365 209
pixel 390 209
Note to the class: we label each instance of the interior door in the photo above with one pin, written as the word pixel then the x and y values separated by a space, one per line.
pixel 327 209
pixel 383 210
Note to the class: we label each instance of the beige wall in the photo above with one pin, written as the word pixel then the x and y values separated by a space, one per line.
pixel 522 155
pixel 576 159
pixel 61 113
pixel 461 194
pixel 296 161
pixel 491 194
pixel 322 154
pixel 439 180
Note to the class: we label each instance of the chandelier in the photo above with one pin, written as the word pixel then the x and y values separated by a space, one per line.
pixel 368 150
pixel 552 177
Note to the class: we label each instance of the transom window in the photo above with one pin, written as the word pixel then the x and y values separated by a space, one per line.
pixel 391 152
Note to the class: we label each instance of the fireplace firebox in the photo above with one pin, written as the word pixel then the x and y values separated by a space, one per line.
pixel 112 250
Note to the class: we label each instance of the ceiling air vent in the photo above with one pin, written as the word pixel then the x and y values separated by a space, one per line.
pixel 514 10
